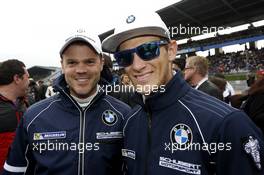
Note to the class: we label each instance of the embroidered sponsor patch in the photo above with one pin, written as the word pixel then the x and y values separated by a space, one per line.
pixel 109 135
pixel 185 167
pixel 129 153
pixel 252 148
pixel 181 136
pixel 49 135
pixel 109 117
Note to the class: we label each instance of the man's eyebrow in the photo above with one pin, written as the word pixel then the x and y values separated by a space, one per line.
pixel 70 59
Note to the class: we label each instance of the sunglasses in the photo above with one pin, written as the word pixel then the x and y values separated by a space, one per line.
pixel 146 52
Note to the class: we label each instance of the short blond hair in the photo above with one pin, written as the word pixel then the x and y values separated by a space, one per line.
pixel 199 63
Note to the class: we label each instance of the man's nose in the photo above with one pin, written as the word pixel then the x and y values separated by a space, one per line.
pixel 81 68
pixel 138 63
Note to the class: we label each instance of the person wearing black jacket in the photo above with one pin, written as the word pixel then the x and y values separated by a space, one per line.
pixel 196 74
pixel 14 81
pixel 175 129
pixel 254 105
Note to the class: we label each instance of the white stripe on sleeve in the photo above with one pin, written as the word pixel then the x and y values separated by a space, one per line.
pixel 14 169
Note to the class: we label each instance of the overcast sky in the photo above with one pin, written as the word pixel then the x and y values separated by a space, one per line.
pixel 34 30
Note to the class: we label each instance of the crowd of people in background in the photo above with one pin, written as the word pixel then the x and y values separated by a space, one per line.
pixel 237 62
pixel 39 91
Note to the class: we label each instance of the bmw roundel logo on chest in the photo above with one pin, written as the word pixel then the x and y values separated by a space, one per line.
pixel 181 136
pixel 109 117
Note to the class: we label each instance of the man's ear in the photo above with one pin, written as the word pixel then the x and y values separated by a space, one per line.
pixel 172 50
pixel 16 78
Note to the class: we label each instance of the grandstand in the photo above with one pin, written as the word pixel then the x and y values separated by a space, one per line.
pixel 44 73
pixel 189 18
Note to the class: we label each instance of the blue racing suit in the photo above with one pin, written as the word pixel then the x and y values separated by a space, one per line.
pixel 57 137
pixel 182 131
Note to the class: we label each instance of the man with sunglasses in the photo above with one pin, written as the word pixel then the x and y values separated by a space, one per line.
pixel 175 129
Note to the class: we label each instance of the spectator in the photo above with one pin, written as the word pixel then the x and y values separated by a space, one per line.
pixel 114 86
pixel 33 92
pixel 196 73
pixel 42 89
pixel 250 80
pixel 107 74
pixel 238 100
pixel 219 82
pixel 125 79
pixel 229 90
pixel 124 91
pixel 50 91
pixel 178 64
pixel 14 81
pixel 254 105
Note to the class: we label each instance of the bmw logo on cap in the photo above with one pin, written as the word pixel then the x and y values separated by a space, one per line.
pixel 109 117
pixel 181 136
pixel 130 19
pixel 81 31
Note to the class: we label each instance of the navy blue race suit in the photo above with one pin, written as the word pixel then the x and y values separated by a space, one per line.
pixel 182 131
pixel 57 137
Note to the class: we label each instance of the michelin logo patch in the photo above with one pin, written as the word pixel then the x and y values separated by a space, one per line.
pixel 252 148
pixel 185 167
pixel 109 117
pixel 49 135
pixel 129 153
pixel 109 135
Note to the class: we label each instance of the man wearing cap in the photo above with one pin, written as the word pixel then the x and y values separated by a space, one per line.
pixel 175 129
pixel 79 130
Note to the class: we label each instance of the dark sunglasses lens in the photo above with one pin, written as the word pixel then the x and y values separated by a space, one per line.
pixel 148 51
pixel 124 59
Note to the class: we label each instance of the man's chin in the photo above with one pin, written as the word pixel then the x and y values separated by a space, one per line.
pixel 82 96
pixel 80 93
